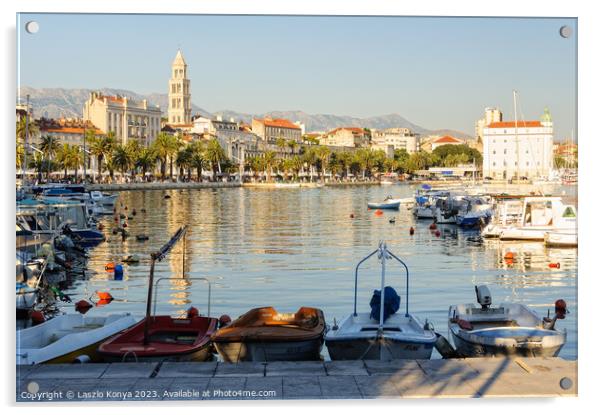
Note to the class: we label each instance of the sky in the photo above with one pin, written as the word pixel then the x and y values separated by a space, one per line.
pixel 436 72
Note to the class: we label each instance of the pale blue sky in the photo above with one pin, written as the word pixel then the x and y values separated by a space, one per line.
pixel 436 72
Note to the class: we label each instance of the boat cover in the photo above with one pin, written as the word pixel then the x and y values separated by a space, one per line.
pixel 392 301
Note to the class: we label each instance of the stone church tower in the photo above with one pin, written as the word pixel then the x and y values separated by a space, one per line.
pixel 179 105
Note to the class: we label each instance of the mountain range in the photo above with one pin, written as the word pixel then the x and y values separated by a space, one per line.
pixel 68 103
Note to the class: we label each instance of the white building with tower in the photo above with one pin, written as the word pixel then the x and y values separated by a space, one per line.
pixel 515 149
pixel 179 107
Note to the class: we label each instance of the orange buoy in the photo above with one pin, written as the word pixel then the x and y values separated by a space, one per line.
pixel 378 212
pixel 509 255
pixel 411 230
pixel 104 295
pixel 352 216
pixel 103 302
pixel 554 265
pixel 109 266
pixel 433 226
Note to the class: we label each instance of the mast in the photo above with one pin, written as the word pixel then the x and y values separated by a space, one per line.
pixel 24 169
pixel 516 135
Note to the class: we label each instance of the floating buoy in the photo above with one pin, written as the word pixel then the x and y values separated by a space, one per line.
pixel 142 237
pixel 433 226
pixel 378 212
pixel 167 197
pixel 124 225
pixel 352 216
pixel 118 272
pixel 437 233
pixel 125 208
pixel 104 295
pixel 100 226
pixel 392 220
pixel 130 217
pixel 82 306
pixel 104 302
pixel 192 312
pixel 509 255
pixel 134 212
pixel 109 266
pixel 554 265
pixel 224 320
pixel 411 230
pixel 116 218
pixel 37 317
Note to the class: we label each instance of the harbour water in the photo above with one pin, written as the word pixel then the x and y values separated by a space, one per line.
pixel 298 247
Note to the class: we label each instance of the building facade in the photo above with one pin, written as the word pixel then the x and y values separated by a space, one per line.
pixel 518 149
pixel 270 130
pixel 179 106
pixel 446 140
pixel 345 137
pixel 127 118
pixel 492 115
pixel 67 131
pixel 399 138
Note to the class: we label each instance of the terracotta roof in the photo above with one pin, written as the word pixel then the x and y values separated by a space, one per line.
pixel 512 124
pixel 279 122
pixel 354 130
pixel 447 139
pixel 71 130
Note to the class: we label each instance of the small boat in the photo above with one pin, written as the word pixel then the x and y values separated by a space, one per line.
pixel 510 329
pixel 264 335
pixel 362 336
pixel 507 213
pixel 68 338
pixel 164 338
pixel 566 239
pixel 104 199
pixel 388 203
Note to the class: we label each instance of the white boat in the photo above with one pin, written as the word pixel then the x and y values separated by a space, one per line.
pixel 400 336
pixel 68 338
pixel 507 213
pixel 388 203
pixel 561 239
pixel 539 216
pixel 510 329
pixel 104 199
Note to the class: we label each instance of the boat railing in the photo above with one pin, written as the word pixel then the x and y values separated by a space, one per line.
pixel 383 254
pixel 180 279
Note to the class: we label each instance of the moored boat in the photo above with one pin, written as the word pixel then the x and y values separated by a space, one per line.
pixel 264 335
pixel 388 203
pixel 566 239
pixel 68 338
pixel 510 329
pixel 381 334
pixel 164 338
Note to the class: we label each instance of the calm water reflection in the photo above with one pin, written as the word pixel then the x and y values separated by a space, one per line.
pixel 298 247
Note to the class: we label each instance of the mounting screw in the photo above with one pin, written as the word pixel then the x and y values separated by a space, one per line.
pixel 566 31
pixel 32 27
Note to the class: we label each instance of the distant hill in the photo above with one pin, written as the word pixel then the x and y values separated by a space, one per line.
pixel 69 102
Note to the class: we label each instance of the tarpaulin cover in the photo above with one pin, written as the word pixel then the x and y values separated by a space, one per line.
pixel 392 301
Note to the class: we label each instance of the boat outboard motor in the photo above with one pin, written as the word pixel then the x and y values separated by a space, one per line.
pixel 483 296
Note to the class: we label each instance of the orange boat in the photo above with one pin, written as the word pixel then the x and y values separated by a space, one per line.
pixel 263 335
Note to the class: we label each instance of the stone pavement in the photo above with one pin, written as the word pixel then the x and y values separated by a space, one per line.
pixel 453 378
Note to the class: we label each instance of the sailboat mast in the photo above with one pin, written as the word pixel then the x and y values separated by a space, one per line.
pixel 516 135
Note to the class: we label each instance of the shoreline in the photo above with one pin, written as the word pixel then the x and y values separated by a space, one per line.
pixel 218 185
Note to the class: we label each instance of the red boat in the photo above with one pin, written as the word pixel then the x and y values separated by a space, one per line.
pixel 175 339
pixel 164 338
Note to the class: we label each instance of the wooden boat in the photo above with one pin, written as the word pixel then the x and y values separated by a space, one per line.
pixel 388 203
pixel 264 335
pixel 68 338
pixel 400 336
pixel 510 329
pixel 164 338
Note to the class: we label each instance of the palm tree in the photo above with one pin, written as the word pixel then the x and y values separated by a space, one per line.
pixel 269 159
pixel 101 147
pixel 310 158
pixel 163 148
pixel 296 166
pixel 323 153
pixel 62 157
pixel 49 146
pixel 293 145
pixel 146 160
pixel 20 152
pixel 215 154
pixel 184 160
pixel 281 144
pixel 122 160
pixel 21 128
pixel 133 148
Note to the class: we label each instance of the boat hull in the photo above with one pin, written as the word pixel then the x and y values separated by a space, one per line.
pixel 355 349
pixel 392 205
pixel 467 348
pixel 201 354
pixel 234 352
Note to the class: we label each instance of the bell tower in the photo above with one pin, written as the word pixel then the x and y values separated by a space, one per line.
pixel 179 106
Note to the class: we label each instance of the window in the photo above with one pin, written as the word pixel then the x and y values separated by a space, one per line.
pixel 569 213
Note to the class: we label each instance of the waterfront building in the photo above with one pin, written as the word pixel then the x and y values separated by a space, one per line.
pixel 514 149
pixel 67 130
pixel 179 104
pixel 127 118
pixel 270 130
pixel 399 138
pixel 345 137
pixel 446 140
pixel 492 115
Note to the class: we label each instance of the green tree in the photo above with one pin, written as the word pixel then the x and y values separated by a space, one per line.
pixel 215 154
pixel 163 148
pixel 269 160
pixel 281 144
pixel 146 160
pixel 122 160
